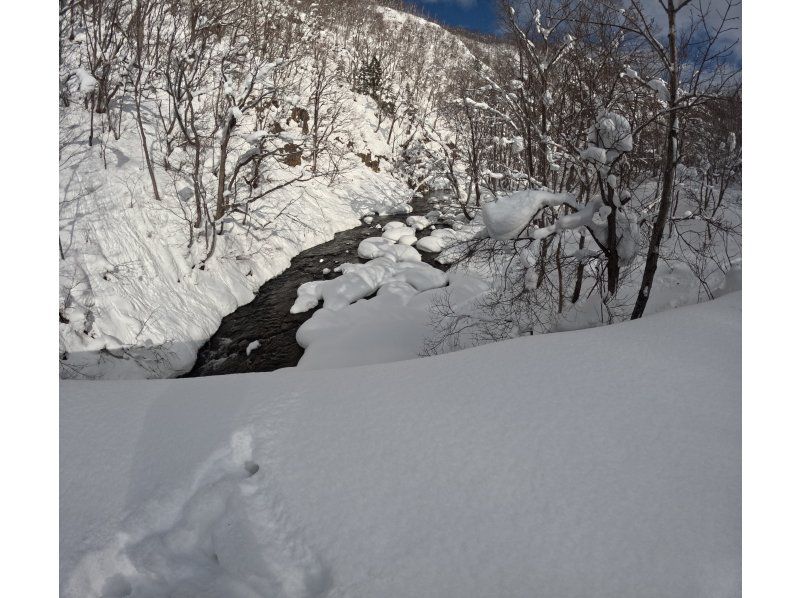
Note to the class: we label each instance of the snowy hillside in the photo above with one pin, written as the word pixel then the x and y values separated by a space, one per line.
pixel 136 302
pixel 145 280
pixel 538 466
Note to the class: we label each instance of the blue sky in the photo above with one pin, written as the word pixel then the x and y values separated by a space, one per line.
pixel 478 15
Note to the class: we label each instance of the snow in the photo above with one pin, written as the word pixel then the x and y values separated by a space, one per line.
pixel 660 87
pixel 733 280
pixel 128 277
pixel 373 247
pixel 594 154
pixel 395 233
pixel 86 82
pixel 418 222
pixel 391 326
pixel 400 263
pixel 431 244
pixel 407 240
pixel 393 224
pixel 479 473
pixel 252 347
pixel 509 216
pixel 611 132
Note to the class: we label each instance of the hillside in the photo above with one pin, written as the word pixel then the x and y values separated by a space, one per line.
pixel 142 284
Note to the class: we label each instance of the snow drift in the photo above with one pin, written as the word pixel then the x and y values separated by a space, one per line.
pixel 537 466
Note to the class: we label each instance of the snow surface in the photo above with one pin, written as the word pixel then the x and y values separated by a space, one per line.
pixel 479 473
pixel 391 326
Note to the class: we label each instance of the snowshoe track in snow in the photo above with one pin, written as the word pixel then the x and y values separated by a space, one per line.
pixel 229 537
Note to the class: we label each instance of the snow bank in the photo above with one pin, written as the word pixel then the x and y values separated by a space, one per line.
pixel 479 473
pixel 392 326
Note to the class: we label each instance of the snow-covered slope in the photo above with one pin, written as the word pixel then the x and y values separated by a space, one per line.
pixel 137 294
pixel 439 35
pixel 136 303
pixel 541 466
pixel 137 299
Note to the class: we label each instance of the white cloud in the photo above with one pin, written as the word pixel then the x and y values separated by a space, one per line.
pixel 461 3
pixel 714 10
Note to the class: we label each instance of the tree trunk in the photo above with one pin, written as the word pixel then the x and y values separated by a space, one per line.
pixel 223 155
pixel 668 171
pixel 146 151
pixel 576 293
pixel 612 254
pixel 560 278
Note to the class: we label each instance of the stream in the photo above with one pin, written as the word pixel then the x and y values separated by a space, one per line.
pixel 267 319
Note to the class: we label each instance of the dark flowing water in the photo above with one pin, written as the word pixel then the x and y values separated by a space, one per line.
pixel 267 319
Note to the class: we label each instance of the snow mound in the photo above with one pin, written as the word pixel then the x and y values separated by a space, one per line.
pixel 418 222
pixel 431 244
pixel 373 247
pixel 393 224
pixel 407 240
pixel 433 216
pixel 396 232
pixel 444 238
pixel 403 253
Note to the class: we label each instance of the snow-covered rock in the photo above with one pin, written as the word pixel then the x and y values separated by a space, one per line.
pixel 418 222
pixel 396 232
pixel 361 280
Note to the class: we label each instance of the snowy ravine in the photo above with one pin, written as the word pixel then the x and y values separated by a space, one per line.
pixel 540 466
pixel 143 283
pixel 134 304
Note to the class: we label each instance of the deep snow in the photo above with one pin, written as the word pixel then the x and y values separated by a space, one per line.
pixel 544 465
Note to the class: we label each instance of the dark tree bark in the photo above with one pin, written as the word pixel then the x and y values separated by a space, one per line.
pixel 668 173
